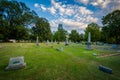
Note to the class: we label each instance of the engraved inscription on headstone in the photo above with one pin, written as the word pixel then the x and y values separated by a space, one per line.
pixel 16 63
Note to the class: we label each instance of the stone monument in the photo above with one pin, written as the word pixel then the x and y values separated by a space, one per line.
pixel 66 42
pixel 16 63
pixel 89 42
pixel 37 43
pixel 47 42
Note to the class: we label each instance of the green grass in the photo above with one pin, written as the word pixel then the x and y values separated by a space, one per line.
pixel 46 63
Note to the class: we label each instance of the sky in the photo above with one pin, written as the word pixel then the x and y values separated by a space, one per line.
pixel 72 14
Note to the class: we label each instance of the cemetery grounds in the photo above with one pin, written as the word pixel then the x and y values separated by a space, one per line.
pixel 73 62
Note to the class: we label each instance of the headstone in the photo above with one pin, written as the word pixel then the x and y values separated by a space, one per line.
pixel 16 63
pixel 105 69
pixel 37 43
pixel 114 46
pixel 66 42
pixel 94 54
pixel 58 42
pixel 12 40
pixel 89 42
pixel 59 49
pixel 47 42
pixel 118 51
pixel 20 44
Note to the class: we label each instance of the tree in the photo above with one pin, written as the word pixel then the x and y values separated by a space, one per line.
pixel 60 35
pixel 42 29
pixel 14 15
pixel 111 23
pixel 93 28
pixel 74 36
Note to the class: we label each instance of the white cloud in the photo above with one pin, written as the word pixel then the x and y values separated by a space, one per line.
pixel 52 10
pixel 83 1
pixel 83 10
pixel 36 5
pixel 101 3
pixel 43 7
pixel 71 16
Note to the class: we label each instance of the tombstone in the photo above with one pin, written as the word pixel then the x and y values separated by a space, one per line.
pixel 105 69
pixel 118 51
pixel 37 43
pixel 55 41
pixel 20 44
pixel 52 41
pixel 94 54
pixel 66 42
pixel 12 40
pixel 16 63
pixel 89 42
pixel 58 42
pixel 114 46
pixel 59 49
pixel 47 42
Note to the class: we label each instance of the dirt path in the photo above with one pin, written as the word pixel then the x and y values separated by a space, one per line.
pixel 109 55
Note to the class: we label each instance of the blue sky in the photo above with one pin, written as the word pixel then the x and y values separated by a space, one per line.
pixel 73 14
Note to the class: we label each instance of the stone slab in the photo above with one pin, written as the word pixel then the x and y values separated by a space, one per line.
pixel 16 63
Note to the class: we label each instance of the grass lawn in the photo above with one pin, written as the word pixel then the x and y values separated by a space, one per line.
pixel 46 63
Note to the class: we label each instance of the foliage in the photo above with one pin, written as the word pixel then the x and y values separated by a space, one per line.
pixel 60 35
pixel 14 16
pixel 42 29
pixel 111 24
pixel 93 28
pixel 74 36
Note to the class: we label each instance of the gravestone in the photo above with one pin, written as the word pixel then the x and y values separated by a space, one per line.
pixel 16 63
pixel 114 46
pixel 37 43
pixel 66 42
pixel 105 69
pixel 59 49
pixel 47 42
pixel 94 54
pixel 89 42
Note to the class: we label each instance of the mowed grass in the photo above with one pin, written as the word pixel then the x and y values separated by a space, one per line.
pixel 46 63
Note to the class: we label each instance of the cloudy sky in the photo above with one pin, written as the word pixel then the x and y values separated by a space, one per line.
pixel 73 14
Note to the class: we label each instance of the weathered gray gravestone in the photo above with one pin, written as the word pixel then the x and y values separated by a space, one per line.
pixel 66 42
pixel 114 46
pixel 59 49
pixel 16 63
pixel 89 42
pixel 47 42
pixel 37 43
pixel 105 69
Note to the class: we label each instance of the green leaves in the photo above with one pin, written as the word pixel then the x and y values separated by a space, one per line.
pixel 93 28
pixel 112 22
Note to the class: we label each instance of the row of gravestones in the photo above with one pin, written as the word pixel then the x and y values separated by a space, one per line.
pixel 37 43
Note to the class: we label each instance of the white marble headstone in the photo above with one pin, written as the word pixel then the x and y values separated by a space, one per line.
pixel 16 63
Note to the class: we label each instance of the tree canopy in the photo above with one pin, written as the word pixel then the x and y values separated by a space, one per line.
pixel 111 27
pixel 74 36
pixel 42 29
pixel 16 19
pixel 93 28
pixel 60 35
